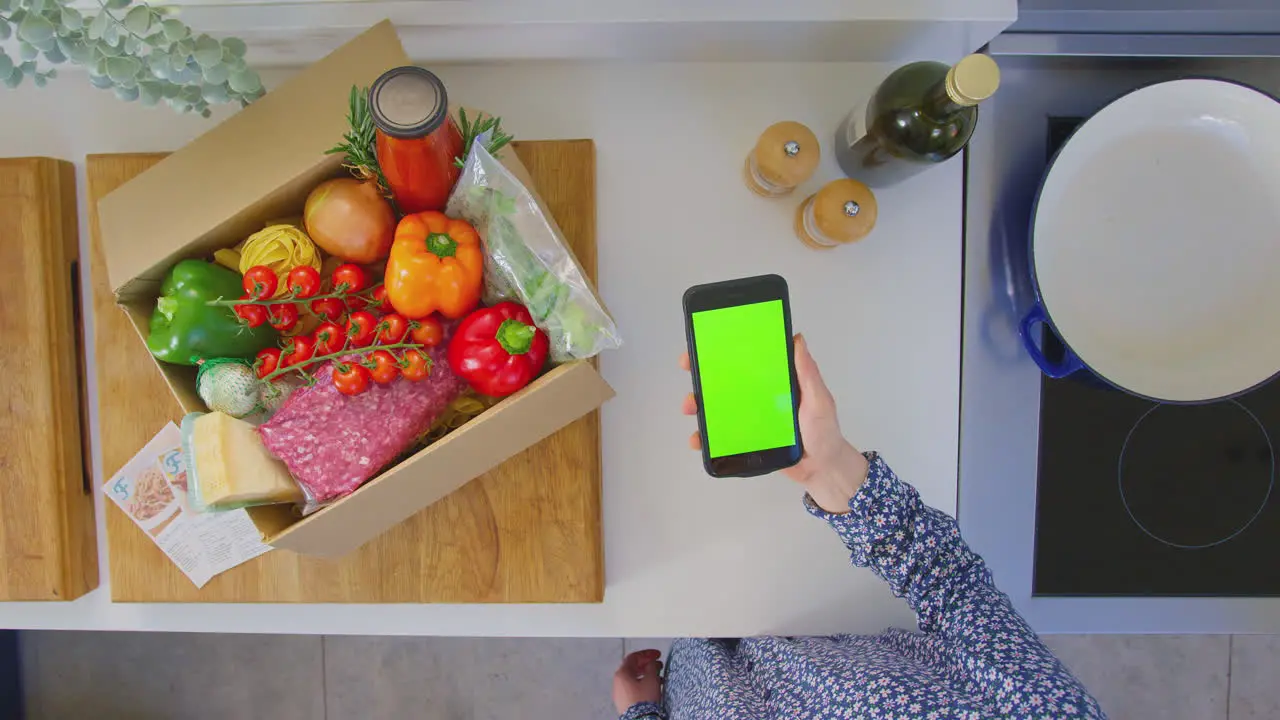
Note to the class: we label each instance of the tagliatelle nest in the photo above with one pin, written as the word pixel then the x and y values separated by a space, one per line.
pixel 459 413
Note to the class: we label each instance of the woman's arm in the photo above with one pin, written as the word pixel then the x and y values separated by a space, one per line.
pixel 919 552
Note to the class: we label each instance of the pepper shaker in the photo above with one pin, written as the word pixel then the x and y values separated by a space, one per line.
pixel 785 156
pixel 843 211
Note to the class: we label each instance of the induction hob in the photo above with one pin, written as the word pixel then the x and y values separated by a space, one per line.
pixel 1137 498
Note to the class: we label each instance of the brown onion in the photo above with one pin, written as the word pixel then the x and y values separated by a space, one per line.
pixel 350 219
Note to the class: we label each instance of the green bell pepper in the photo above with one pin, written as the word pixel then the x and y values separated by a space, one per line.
pixel 185 328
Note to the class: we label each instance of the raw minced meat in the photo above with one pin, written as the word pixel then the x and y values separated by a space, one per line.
pixel 333 443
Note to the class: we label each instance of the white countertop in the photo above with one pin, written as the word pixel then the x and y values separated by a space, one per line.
pixel 685 554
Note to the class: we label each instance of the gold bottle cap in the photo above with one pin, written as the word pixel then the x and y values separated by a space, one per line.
pixel 786 155
pixel 972 80
pixel 843 211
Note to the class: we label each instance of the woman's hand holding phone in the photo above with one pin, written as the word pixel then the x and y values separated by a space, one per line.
pixel 831 469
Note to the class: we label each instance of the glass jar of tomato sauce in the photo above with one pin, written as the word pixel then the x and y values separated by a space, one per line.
pixel 416 140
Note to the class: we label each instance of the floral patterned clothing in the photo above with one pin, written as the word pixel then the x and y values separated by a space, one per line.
pixel 973 658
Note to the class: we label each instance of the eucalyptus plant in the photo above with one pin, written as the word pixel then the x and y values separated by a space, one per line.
pixel 141 52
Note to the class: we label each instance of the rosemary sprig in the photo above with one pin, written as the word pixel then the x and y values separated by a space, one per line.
pixel 473 129
pixel 358 141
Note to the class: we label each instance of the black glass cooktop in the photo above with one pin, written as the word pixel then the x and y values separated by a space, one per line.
pixel 1136 498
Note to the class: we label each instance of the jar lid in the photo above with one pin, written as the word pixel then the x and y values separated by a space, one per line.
pixel 844 210
pixel 974 79
pixel 408 102
pixel 786 154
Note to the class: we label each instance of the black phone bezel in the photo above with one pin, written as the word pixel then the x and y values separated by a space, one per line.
pixel 730 293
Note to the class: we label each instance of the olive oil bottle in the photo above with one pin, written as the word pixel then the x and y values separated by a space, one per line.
pixel 922 114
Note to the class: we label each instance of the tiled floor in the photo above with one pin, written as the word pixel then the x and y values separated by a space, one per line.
pixel 144 676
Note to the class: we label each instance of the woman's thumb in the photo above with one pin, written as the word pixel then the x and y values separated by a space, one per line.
pixel 807 372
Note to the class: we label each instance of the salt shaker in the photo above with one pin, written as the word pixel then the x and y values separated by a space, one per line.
pixel 843 211
pixel 785 156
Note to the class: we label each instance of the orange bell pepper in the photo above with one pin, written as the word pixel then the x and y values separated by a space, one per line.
pixel 436 264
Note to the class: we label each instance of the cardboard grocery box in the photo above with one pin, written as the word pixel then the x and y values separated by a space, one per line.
pixel 261 164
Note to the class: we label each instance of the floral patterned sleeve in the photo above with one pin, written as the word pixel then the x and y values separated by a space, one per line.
pixel 644 711
pixel 919 552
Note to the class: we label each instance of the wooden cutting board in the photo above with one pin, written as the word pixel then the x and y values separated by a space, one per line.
pixel 528 531
pixel 48 548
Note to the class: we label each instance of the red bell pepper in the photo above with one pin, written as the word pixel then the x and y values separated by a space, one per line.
pixel 498 349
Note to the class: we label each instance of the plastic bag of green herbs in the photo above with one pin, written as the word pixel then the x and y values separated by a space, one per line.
pixel 528 261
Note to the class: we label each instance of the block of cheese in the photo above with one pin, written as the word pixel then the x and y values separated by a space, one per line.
pixel 233 469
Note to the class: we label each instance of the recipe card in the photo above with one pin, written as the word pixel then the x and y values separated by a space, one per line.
pixel 152 490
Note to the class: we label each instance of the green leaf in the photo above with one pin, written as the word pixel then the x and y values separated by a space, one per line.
pixel 71 18
pixel 110 50
pixel 214 93
pixel 127 93
pixel 55 56
pixel 14 79
pixel 190 94
pixel 5 31
pixel 208 52
pixel 150 92
pixel 246 81
pixel 206 113
pixel 27 51
pixel 102 82
pixel 174 30
pixel 216 74
pixel 156 40
pixel 39 80
pixel 98 25
pixel 35 6
pixel 112 33
pixel 6 64
pixel 53 73
pixel 117 4
pixel 186 46
pixel 235 45
pixel 138 20
pixel 35 28
pixel 132 45
pixel 158 64
pixel 120 69
pixel 6 6
pixel 76 50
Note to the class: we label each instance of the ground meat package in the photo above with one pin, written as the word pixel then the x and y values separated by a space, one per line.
pixel 333 443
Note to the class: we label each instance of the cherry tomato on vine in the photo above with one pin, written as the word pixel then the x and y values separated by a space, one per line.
pixel 331 309
pixel 392 329
pixel 357 302
pixel 253 315
pixel 299 350
pixel 330 338
pixel 383 367
pixel 380 301
pixel 267 361
pixel 427 331
pixel 350 275
pixel 415 365
pixel 350 378
pixel 283 316
pixel 303 281
pixel 260 282
pixel 361 328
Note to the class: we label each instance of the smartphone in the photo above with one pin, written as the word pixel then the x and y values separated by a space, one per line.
pixel 744 375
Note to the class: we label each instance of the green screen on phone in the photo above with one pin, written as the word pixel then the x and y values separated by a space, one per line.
pixel 745 376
